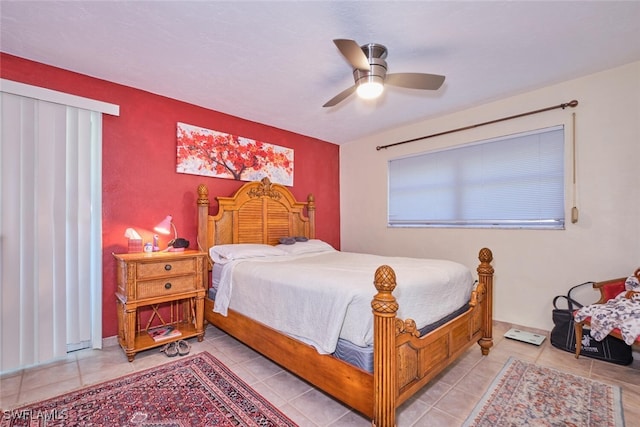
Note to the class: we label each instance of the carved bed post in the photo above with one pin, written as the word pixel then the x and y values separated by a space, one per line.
pixel 485 278
pixel 203 214
pixel 385 386
pixel 311 213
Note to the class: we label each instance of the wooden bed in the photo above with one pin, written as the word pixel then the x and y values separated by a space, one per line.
pixel 262 212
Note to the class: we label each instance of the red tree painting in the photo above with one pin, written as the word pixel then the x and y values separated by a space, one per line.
pixel 211 153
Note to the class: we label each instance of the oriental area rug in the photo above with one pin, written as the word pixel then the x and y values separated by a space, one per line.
pixel 195 391
pixel 525 394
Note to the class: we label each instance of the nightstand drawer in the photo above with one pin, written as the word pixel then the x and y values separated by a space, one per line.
pixel 165 286
pixel 147 270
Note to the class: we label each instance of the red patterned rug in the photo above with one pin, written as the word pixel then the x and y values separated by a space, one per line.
pixel 194 391
pixel 529 394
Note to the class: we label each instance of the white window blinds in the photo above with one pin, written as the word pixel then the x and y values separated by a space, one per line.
pixel 511 182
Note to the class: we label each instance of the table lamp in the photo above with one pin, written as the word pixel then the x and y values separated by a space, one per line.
pixel 165 227
pixel 177 244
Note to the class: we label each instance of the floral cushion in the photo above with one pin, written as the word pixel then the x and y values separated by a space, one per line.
pixel 620 314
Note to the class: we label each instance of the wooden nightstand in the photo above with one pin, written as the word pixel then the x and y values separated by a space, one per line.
pixel 173 282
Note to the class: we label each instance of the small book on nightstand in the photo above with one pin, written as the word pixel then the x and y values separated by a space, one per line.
pixel 164 332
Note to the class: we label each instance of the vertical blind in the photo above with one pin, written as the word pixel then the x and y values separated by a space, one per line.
pixel 510 182
pixel 50 230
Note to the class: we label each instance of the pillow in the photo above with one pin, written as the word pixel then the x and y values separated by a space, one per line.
pixel 310 246
pixel 632 284
pixel 292 240
pixel 225 253
pixel 287 240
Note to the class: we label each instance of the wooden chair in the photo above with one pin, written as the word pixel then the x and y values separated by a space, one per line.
pixel 609 289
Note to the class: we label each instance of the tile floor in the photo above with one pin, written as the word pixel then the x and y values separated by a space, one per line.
pixel 446 401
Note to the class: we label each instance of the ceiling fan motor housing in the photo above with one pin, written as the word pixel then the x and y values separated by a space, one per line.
pixel 374 50
pixel 376 73
pixel 375 53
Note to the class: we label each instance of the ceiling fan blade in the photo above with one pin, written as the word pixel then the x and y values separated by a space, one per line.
pixel 340 97
pixel 353 53
pixel 415 80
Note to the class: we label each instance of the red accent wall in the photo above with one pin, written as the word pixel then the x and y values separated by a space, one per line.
pixel 140 185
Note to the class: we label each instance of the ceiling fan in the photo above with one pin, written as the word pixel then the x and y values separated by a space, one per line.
pixel 370 72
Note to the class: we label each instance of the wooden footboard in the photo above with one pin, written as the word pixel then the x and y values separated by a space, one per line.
pixel 403 361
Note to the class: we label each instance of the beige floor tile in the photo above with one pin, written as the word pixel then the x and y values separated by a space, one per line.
pixel 437 418
pixel 488 367
pixel 9 400
pixel 351 419
pixel 261 367
pixel 297 416
pixel 627 374
pixel 474 383
pixel 287 385
pixel 458 403
pixel 318 407
pixel 107 374
pixel 50 376
pixel 411 412
pixel 220 354
pixel 10 386
pixel 244 374
pixel 631 406
pixel 562 360
pixel 451 375
pixel 431 393
pixel 269 394
pixel 49 390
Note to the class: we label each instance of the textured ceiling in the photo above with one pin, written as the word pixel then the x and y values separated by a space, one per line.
pixel 275 63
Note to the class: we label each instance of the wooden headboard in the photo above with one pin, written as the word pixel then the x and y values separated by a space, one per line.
pixel 259 212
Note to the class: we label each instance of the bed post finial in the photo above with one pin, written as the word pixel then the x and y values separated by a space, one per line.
pixel 485 277
pixel 203 195
pixel 311 213
pixel 384 306
pixel 203 215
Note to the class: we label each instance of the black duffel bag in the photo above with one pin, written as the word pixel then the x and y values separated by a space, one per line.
pixel 563 334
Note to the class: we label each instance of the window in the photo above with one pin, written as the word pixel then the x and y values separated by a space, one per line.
pixel 515 181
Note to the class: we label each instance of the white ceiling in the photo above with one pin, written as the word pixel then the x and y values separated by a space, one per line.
pixel 275 62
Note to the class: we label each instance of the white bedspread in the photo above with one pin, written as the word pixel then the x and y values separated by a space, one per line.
pixel 320 297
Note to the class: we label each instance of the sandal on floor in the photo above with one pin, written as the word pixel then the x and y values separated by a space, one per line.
pixel 171 349
pixel 183 347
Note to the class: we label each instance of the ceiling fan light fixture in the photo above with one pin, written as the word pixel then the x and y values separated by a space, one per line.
pixel 370 72
pixel 370 88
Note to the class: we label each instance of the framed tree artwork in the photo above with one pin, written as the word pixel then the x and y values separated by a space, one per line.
pixel 208 152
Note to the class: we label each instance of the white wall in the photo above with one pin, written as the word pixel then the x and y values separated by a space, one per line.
pixel 531 266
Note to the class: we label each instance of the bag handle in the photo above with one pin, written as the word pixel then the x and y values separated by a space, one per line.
pixel 570 301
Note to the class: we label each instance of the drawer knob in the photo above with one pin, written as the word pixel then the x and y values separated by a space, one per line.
pixel 167 267
pixel 167 285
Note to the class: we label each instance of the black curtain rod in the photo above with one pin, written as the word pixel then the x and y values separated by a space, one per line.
pixel 572 104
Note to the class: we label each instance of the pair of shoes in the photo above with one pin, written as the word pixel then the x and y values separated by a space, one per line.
pixel 183 347
pixel 171 349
